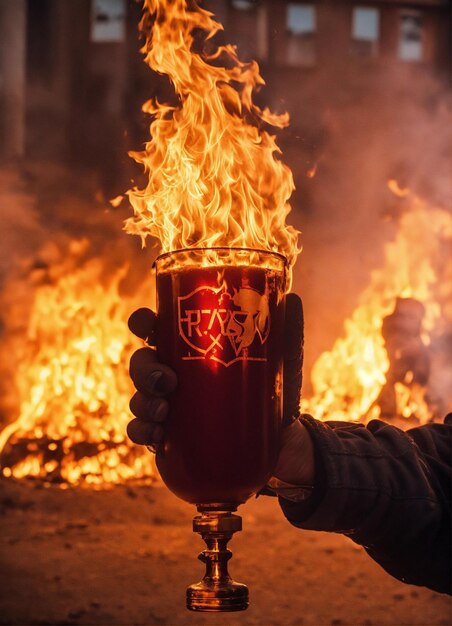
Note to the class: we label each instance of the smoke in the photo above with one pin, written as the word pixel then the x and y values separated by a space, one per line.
pixel 357 133
pixel 19 218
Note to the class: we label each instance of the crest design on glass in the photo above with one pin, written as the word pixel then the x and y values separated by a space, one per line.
pixel 224 327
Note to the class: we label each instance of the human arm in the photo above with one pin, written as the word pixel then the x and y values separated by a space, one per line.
pixel 386 489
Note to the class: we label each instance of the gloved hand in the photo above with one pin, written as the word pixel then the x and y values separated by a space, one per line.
pixel 154 381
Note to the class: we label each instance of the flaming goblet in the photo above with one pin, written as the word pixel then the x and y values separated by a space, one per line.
pixel 220 327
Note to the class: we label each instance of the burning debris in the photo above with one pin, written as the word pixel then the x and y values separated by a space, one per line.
pixel 381 364
pixel 409 361
pixel 71 379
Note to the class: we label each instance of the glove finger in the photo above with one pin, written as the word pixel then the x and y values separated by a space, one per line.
pixel 149 409
pixel 293 328
pixel 149 376
pixel 145 433
pixel 142 323
pixel 293 357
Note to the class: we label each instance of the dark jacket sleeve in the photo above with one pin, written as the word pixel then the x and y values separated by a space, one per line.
pixel 389 491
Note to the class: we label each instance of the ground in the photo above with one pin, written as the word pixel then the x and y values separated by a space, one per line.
pixel 125 556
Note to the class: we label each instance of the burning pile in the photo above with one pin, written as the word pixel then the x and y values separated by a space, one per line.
pixel 380 365
pixel 71 380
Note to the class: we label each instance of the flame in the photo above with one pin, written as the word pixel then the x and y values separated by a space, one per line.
pixel 312 171
pixel 72 384
pixel 348 379
pixel 411 400
pixel 215 176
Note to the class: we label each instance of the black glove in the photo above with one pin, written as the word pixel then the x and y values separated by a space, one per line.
pixel 293 358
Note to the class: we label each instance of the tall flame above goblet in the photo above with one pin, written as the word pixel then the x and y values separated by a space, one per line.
pixel 220 327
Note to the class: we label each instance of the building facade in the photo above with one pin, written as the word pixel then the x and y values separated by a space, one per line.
pixel 309 35
pixel 71 75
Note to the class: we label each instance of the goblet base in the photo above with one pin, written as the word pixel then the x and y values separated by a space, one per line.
pixel 217 597
pixel 217 592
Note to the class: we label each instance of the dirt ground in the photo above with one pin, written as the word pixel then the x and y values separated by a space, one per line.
pixel 126 555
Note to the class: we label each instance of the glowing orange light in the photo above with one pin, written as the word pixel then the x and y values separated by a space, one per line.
pixel 73 385
pixel 347 379
pixel 215 176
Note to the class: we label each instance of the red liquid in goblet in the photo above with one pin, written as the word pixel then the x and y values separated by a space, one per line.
pixel 221 329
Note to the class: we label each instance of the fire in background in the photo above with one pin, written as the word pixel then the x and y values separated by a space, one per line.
pixel 71 386
pixel 381 364
pixel 71 380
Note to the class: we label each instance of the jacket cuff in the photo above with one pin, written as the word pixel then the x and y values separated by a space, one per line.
pixel 350 494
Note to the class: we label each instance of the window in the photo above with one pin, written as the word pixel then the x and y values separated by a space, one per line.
pixel 365 31
pixel 301 29
pixel 249 24
pixel 108 21
pixel 411 47
pixel 243 5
